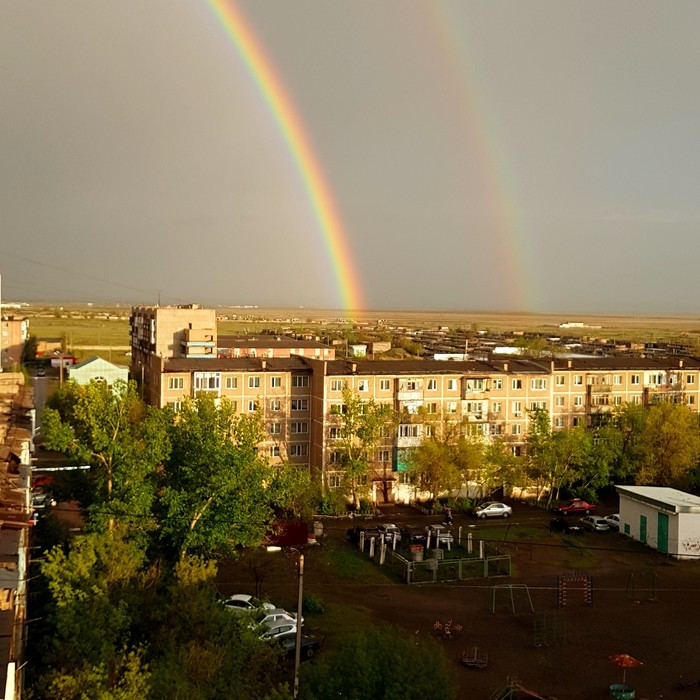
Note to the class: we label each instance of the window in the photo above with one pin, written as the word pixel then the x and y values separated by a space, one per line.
pixel 362 385
pixel 253 382
pixel 634 379
pixel 538 405
pixel 496 429
pixel 177 405
pixel 298 450
pixel 691 400
pixel 337 384
pixel 299 381
pixel 655 379
pixel 384 456
pixel 384 384
pixel 176 382
pixel 252 406
pixel 300 404
pixel 559 401
pixel 275 382
pixel 538 383
pixel 338 409
pixel 690 379
pixel 636 399
pixel 207 381
pixel 617 400
pixel 517 408
pixel 299 427
pixel 561 380
pixel 452 407
pixel 334 433
pixel 496 407
pixel 617 379
pixel 451 384
pixel 405 478
pixel 275 405
pixel 275 428
pixel 559 422
pixel 473 407
pixel 232 382
pixel 334 457
pixel 517 384
pixel 429 431
pixel 275 451
pixel 432 384
pixel 516 450
pixel 578 400
pixel 578 379
pixel 431 407
pixel 334 481
pixel 516 429
pixel 497 383
pixel 576 421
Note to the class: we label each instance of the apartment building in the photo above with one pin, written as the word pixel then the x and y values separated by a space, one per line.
pixel 272 346
pixel 300 399
pixel 14 332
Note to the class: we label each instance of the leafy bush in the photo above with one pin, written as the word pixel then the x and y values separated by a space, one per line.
pixel 313 604
pixel 332 503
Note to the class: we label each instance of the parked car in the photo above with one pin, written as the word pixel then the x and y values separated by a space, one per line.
pixel 493 509
pixel 576 506
pixel 41 372
pixel 566 526
pixel 309 645
pixel 274 630
pixel 439 534
pixel 353 534
pixel 613 521
pixel 242 602
pixel 391 532
pixel 41 499
pixel 266 616
pixel 413 535
pixel 595 523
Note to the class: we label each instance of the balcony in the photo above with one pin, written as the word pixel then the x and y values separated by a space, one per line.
pixel 410 395
pixel 410 441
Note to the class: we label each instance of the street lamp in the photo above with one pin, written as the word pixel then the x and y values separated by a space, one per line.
pixel 300 599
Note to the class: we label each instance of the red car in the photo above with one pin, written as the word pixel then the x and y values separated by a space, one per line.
pixel 575 507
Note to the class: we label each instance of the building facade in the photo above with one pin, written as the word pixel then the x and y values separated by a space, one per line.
pixel 14 331
pixel 301 400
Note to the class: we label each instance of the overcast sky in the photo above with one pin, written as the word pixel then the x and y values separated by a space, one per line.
pixel 515 155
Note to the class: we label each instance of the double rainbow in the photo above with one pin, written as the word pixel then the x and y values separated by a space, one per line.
pixel 284 113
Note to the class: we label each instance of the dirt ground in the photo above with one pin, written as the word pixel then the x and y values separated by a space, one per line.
pixel 654 616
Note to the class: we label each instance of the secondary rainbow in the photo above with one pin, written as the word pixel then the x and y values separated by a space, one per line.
pixel 299 144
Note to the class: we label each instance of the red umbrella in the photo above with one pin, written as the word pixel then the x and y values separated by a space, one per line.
pixel 625 661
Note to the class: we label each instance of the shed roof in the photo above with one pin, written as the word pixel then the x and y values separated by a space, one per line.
pixel 662 497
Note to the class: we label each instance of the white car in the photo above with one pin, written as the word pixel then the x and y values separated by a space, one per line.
pixel 242 602
pixel 595 523
pixel 439 534
pixel 391 532
pixel 273 630
pixel 613 521
pixel 277 615
pixel 493 509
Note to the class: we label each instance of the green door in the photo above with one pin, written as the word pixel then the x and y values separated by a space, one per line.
pixel 643 529
pixel 663 532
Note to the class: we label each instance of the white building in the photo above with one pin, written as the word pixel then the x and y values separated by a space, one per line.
pixel 97 368
pixel 663 518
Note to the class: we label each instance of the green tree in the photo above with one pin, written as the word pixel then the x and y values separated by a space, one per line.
pixel 670 446
pixel 361 424
pixel 121 438
pixel 217 491
pixel 379 662
pixel 29 349
pixel 500 466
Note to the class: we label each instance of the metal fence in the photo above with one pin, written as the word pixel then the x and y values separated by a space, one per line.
pixel 435 568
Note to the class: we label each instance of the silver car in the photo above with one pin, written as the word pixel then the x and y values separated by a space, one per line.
pixel 390 531
pixel 493 509
pixel 595 523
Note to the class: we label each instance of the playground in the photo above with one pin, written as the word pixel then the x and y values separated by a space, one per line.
pixel 551 627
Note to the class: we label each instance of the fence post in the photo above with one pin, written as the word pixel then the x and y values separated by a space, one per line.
pixel 459 535
pixel 469 542
pixel 382 552
pixel 481 549
pixel 371 547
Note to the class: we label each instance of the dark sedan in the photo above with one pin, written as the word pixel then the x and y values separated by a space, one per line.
pixel 565 526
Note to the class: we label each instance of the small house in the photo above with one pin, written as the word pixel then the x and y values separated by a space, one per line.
pixel 663 518
pixel 98 369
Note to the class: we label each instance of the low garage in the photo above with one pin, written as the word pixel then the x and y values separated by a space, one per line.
pixel 663 518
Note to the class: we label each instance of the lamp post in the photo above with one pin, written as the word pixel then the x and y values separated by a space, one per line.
pixel 297 649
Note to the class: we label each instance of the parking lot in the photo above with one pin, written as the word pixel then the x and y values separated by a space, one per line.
pixel 640 599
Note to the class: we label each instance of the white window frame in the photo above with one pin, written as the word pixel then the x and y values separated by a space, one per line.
pixel 451 384
pixel 384 384
pixel 275 382
pixel 432 385
pixel 300 381
pixel 175 383
pixel 299 450
pixel 517 384
pixel 299 404
pixel 363 385
pixel 538 384
pixel 275 428
pixel 497 383
pixel 299 427
pixel 232 382
pixel 253 382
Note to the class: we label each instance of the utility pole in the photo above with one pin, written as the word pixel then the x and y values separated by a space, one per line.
pixel 297 651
